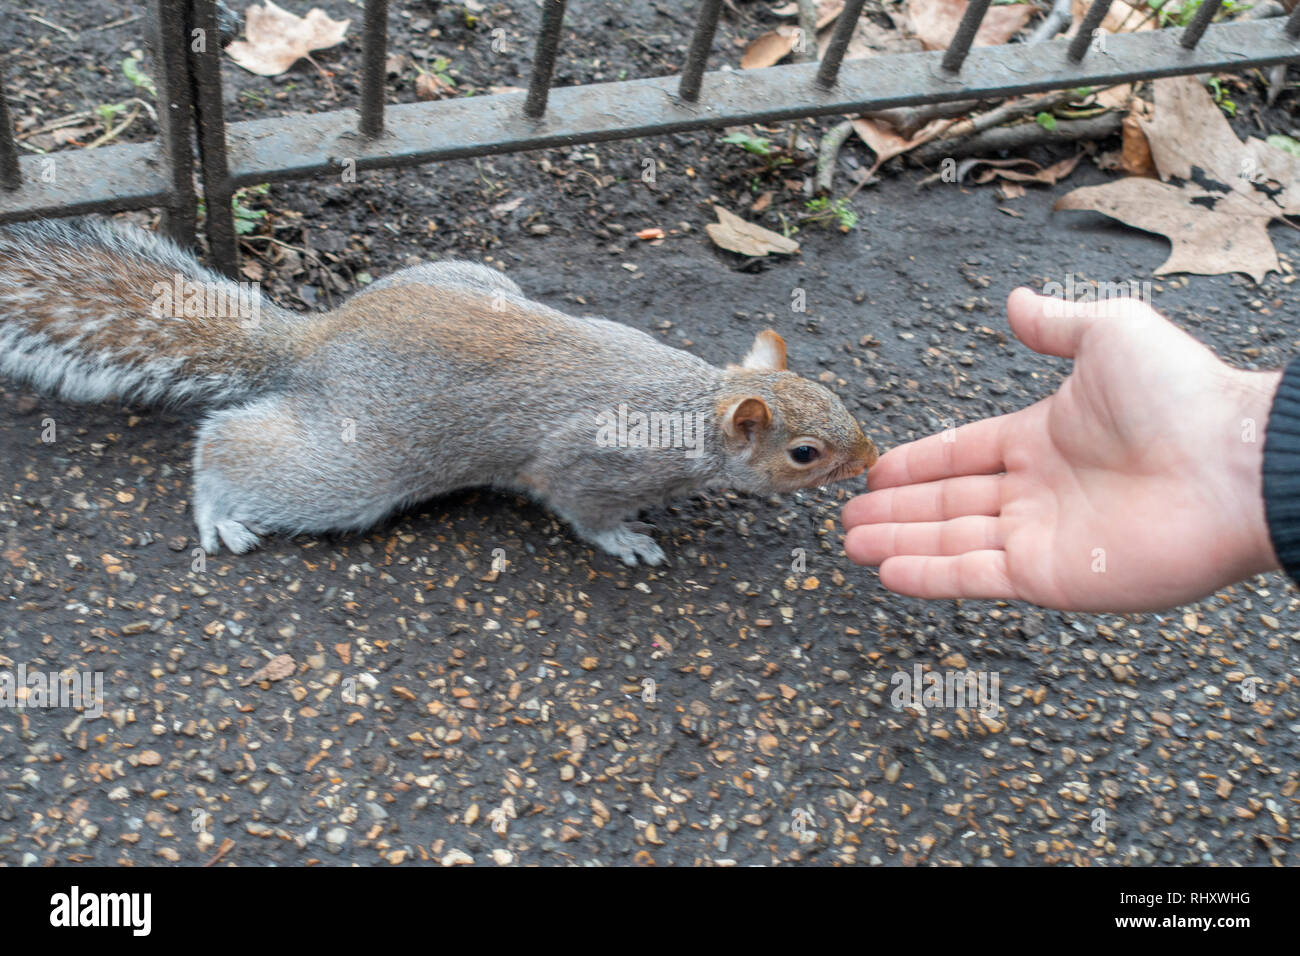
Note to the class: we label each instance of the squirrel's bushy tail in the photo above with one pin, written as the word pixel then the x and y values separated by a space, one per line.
pixel 90 311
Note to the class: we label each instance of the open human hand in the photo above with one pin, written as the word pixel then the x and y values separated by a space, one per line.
pixel 1136 486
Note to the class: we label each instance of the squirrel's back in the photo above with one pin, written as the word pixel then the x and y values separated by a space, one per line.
pixel 91 310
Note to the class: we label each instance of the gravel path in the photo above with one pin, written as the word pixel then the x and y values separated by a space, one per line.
pixel 392 698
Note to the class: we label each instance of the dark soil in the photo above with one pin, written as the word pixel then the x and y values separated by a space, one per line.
pixel 429 691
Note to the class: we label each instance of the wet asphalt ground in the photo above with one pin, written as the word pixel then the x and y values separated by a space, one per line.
pixel 394 698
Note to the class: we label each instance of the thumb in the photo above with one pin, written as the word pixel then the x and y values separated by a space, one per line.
pixel 1048 325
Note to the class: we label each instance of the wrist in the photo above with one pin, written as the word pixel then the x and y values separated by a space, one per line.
pixel 1250 400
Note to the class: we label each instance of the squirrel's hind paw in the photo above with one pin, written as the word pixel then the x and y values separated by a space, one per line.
pixel 237 538
pixel 628 545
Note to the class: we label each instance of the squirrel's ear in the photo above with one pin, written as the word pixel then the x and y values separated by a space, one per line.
pixel 767 354
pixel 746 416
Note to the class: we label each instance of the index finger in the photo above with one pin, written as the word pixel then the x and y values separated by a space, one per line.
pixel 974 449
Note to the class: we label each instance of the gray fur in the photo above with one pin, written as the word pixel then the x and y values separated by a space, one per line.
pixel 331 422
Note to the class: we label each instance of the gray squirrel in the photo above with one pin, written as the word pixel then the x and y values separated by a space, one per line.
pixel 438 377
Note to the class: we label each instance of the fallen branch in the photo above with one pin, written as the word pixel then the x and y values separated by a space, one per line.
pixel 827 153
pixel 805 49
pixel 1005 138
pixel 1057 19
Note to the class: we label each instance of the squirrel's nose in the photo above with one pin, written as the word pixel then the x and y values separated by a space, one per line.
pixel 867 453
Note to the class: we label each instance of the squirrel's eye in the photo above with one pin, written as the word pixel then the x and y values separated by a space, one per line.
pixel 804 454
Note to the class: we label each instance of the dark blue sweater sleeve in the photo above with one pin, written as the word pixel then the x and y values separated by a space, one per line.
pixel 1282 471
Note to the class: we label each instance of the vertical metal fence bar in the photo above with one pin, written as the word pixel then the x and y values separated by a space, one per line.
pixel 1091 21
pixel 965 35
pixel 374 68
pixel 548 42
pixel 11 176
pixel 169 39
pixel 210 115
pixel 697 56
pixel 1196 29
pixel 1293 23
pixel 844 27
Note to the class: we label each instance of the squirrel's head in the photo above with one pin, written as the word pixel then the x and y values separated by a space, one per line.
pixel 782 432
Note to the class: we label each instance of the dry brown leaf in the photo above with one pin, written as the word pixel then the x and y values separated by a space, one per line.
pixel 430 86
pixel 1267 163
pixel 1000 169
pixel 277 39
pixel 1187 130
pixel 1135 154
pixel 885 141
pixel 1230 237
pixel 1011 190
pixel 277 668
pixel 935 21
pixel 769 49
pixel 734 234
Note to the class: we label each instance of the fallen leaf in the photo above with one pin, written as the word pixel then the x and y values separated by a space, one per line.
pixel 1231 235
pixel 769 49
pixel 1135 153
pixel 886 143
pixel 277 668
pixel 999 169
pixel 503 208
pixel 1212 232
pixel 430 86
pixel 734 234
pixel 1011 190
pixel 1267 163
pixel 934 22
pixel 762 202
pixel 1187 130
pixel 277 39
pixel 651 233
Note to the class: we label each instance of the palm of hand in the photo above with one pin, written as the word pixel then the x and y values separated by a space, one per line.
pixel 1101 477
pixel 1135 486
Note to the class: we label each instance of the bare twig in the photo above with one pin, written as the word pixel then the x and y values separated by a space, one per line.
pixel 53 26
pixel 805 51
pixel 1057 19
pixel 111 134
pixel 827 153
pixel 1018 137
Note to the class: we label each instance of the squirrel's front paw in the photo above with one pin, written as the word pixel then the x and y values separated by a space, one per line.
pixel 624 543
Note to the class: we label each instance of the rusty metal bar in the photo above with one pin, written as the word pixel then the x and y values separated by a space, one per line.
pixel 11 176
pixel 1196 29
pixel 1091 22
pixel 844 27
pixel 374 67
pixel 169 38
pixel 961 42
pixel 210 117
pixel 548 43
pixel 697 57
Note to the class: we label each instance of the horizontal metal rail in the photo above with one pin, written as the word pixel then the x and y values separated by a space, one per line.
pixel 379 136
pixel 299 147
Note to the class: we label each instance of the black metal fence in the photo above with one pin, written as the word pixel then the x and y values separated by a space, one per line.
pixel 188 57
